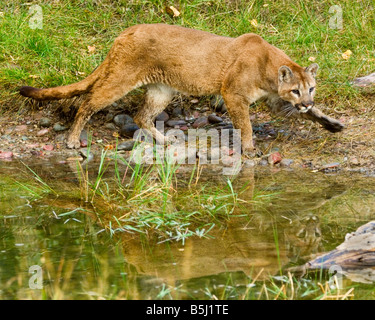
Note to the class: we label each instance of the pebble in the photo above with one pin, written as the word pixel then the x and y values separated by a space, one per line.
pixel 6 154
pixel 60 137
pixel 162 117
pixel 200 122
pixel 354 161
pixel 126 145
pixel 177 112
pixel 83 143
pixel 213 118
pixel 57 127
pixel 109 117
pixel 274 158
pixel 86 154
pixel 110 126
pixel 83 135
pixel 128 130
pixel 173 123
pixel 21 128
pixel 248 163
pixel 45 122
pixel 42 132
pixel 48 147
pixel 327 167
pixel 286 162
pixel 122 119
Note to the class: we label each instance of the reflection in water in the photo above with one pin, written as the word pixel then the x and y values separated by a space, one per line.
pixel 307 214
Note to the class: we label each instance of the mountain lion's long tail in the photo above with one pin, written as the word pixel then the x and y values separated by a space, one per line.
pixel 62 92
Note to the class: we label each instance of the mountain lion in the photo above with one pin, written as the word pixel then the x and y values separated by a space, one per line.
pixel 169 59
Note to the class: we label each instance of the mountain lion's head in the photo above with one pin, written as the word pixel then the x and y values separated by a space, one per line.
pixel 298 87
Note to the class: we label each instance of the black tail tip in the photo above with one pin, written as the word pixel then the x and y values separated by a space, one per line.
pixel 28 91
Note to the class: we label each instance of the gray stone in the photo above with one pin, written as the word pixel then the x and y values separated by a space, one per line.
pixel 109 117
pixel 57 127
pixel 126 145
pixel 122 119
pixel 173 123
pixel 45 122
pixel 162 117
pixel 200 122
pixel 110 126
pixel 213 118
pixel 177 112
pixel 286 162
pixel 128 130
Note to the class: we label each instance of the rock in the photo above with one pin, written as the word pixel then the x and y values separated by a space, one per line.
pixel 217 103
pixel 45 122
pixel 48 147
pixel 286 162
pixel 263 162
pixel 110 126
pixel 200 122
pixel 42 132
pixel 109 117
pixel 162 117
pixel 173 123
pixel 213 118
pixel 57 127
pixel 249 163
pixel 128 130
pixel 122 119
pixel 194 101
pixel 84 152
pixel 177 112
pixel 274 158
pixel 196 114
pixel 32 145
pixel 126 145
pixel 354 161
pixel 83 135
pixel 84 143
pixel 20 128
pixel 60 137
pixel 330 167
pixel 6 154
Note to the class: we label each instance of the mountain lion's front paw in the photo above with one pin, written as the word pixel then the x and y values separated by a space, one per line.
pixel 73 143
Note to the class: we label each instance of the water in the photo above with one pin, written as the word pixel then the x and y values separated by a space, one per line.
pixel 303 214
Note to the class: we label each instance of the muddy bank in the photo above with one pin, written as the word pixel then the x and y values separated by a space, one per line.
pixel 282 142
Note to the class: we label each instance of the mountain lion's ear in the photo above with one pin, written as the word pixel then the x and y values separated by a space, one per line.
pixel 285 74
pixel 312 69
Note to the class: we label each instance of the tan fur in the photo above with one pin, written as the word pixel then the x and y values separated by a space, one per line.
pixel 167 59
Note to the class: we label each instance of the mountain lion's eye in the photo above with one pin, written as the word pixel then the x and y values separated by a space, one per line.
pixel 296 92
pixel 311 89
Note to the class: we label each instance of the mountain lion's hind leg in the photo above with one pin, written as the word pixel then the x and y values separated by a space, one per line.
pixel 101 97
pixel 157 98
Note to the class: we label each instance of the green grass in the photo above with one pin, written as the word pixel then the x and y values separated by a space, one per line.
pixel 58 54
